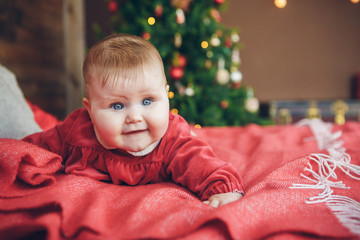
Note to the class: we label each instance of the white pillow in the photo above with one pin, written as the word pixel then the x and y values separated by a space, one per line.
pixel 16 118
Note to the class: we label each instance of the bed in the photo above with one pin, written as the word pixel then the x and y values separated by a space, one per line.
pixel 301 180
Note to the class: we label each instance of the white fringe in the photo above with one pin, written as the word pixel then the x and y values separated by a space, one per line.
pixel 323 134
pixel 347 211
pixel 344 208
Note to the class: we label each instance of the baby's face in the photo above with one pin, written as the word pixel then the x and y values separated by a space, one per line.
pixel 129 116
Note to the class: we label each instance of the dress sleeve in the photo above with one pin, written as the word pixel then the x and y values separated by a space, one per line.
pixel 53 138
pixel 192 163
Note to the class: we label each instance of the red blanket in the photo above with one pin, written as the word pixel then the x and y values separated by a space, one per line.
pixel 37 200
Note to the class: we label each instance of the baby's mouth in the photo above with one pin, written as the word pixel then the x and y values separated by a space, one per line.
pixel 134 132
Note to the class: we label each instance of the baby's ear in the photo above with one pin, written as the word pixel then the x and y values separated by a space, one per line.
pixel 86 103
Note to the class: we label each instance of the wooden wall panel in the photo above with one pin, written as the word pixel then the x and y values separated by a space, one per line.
pixel 74 36
pixel 308 50
pixel 32 46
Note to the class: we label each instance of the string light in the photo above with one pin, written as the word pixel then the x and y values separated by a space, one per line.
pixel 151 20
pixel 354 1
pixel 171 95
pixel 280 3
pixel 204 44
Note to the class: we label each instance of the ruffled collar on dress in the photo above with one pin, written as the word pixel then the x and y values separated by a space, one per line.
pixel 146 151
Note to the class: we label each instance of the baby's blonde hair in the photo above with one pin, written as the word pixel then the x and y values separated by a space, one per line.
pixel 122 56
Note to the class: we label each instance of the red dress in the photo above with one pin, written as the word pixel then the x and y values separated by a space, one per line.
pixel 179 157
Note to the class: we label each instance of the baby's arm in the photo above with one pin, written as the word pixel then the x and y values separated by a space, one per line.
pixel 221 199
pixel 192 163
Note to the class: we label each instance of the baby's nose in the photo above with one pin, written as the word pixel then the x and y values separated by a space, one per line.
pixel 133 116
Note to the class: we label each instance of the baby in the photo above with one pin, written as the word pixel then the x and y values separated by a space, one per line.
pixel 126 134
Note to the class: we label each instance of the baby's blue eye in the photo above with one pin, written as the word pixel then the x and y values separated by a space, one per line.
pixel 146 102
pixel 117 106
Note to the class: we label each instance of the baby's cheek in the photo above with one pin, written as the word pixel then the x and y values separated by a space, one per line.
pixel 108 127
pixel 160 127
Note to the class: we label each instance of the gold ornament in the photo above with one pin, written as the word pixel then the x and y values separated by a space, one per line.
pixel 208 64
pixel 340 108
pixel 313 111
pixel 284 116
pixel 177 40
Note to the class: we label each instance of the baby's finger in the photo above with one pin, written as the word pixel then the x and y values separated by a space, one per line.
pixel 215 203
pixel 207 202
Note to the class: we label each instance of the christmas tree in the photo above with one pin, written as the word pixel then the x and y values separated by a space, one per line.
pixel 201 57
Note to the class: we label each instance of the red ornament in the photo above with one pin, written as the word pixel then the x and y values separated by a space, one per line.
pixel 176 73
pixel 224 104
pixel 215 14
pixel 159 10
pixel 237 85
pixel 228 42
pixel 146 35
pixel 182 61
pixel 219 1
pixel 179 60
pixel 113 6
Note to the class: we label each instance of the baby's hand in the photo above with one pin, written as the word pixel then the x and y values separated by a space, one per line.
pixel 221 199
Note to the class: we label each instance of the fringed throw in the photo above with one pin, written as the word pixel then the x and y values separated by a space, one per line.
pixel 324 177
